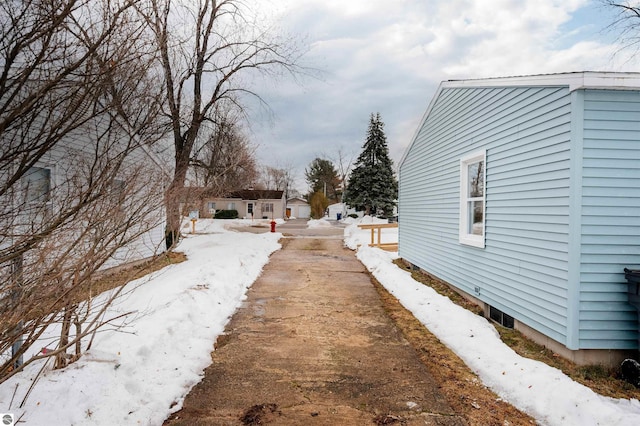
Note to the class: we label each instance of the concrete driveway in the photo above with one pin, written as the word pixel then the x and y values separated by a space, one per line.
pixel 312 345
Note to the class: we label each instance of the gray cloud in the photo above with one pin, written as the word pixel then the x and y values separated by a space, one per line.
pixel 389 57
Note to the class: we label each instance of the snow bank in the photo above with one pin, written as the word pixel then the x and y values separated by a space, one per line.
pixel 355 237
pixel 318 223
pixel 140 374
pixel 134 376
pixel 533 387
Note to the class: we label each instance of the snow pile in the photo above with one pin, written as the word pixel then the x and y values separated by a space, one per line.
pixel 240 223
pixel 318 223
pixel 531 386
pixel 142 373
pixel 135 375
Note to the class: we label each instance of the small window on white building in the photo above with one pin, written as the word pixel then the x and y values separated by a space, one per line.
pixel 231 206
pixel 37 185
pixel 472 199
pixel 118 188
pixel 211 206
pixel 267 207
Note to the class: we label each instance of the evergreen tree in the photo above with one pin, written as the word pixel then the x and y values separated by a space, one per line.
pixel 322 176
pixel 372 185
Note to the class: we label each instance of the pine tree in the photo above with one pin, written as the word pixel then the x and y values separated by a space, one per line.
pixel 372 185
pixel 322 176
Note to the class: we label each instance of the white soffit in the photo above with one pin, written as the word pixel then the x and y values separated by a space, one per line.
pixel 574 80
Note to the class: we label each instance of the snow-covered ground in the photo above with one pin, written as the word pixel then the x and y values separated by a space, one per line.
pixel 133 376
pixel 140 374
pixel 533 387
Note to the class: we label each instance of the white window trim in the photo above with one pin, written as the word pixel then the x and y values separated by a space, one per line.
pixel 52 184
pixel 464 236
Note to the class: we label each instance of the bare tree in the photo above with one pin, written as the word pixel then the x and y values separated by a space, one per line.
pixel 626 23
pixel 225 161
pixel 57 75
pixel 344 164
pixel 74 191
pixel 207 50
pixel 121 199
pixel 276 178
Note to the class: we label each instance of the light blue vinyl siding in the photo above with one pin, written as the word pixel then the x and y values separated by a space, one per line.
pixel 610 222
pixel 562 205
pixel 523 269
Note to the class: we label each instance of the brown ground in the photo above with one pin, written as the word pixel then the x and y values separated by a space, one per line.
pixel 318 342
pixel 463 392
pixel 602 380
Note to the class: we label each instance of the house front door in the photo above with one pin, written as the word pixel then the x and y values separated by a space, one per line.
pixel 250 210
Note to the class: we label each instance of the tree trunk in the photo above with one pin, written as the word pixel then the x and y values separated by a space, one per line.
pixel 61 358
pixel 174 196
pixel 172 229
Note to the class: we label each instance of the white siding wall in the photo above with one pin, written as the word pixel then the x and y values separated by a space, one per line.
pixel 526 131
pixel 76 153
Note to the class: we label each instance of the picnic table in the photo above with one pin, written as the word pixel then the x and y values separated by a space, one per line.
pixel 378 227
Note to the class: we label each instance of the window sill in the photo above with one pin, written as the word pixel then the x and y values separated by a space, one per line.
pixel 472 240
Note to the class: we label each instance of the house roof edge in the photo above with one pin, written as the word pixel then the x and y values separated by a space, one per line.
pixel 575 80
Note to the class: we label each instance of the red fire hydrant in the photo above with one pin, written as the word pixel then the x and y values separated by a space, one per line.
pixel 273 226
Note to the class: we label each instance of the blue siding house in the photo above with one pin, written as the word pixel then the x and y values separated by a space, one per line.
pixel 524 194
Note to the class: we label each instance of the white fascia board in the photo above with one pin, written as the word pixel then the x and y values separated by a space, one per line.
pixel 573 80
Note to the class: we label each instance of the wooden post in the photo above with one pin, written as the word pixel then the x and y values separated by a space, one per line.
pixel 16 278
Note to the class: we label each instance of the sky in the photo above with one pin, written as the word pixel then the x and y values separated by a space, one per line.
pixel 141 371
pixel 389 56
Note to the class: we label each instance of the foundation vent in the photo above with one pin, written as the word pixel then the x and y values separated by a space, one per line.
pixel 500 317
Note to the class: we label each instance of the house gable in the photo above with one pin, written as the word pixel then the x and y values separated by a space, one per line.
pixel 510 124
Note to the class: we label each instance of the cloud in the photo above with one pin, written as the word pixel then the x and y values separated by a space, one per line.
pixel 389 57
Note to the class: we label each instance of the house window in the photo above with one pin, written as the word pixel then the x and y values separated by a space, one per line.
pixel 37 184
pixel 211 206
pixel 472 199
pixel 231 206
pixel 267 207
pixel 118 188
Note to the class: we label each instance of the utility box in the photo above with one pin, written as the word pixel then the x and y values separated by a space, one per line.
pixel 633 292
pixel 633 282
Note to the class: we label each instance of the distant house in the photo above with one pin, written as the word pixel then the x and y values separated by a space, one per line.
pixel 524 194
pixel 336 209
pixel 342 209
pixel 249 203
pixel 298 208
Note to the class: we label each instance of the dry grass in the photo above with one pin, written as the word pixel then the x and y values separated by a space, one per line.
pixel 102 282
pixel 601 380
pixel 465 393
pixel 122 275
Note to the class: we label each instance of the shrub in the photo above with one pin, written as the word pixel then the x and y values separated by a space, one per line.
pixel 226 214
pixel 319 204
